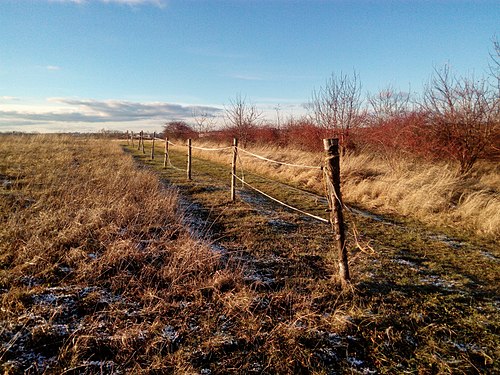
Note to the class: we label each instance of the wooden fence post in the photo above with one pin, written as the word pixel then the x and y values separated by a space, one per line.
pixel 189 160
pixel 165 160
pixel 332 184
pixel 132 137
pixel 142 137
pixel 153 147
pixel 233 169
pixel 140 140
pixel 128 138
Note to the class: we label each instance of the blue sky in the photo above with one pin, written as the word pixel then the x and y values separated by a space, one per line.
pixel 85 65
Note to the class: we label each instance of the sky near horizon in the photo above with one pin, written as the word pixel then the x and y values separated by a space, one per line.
pixel 87 65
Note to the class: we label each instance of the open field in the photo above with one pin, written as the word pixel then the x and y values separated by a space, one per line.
pixel 110 265
pixel 396 184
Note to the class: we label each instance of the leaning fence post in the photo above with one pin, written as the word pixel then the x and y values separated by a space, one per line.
pixel 189 160
pixel 166 153
pixel 140 140
pixel 153 147
pixel 233 169
pixel 332 184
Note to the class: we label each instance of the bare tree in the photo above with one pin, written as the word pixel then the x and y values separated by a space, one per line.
pixel 463 114
pixel 242 116
pixel 205 122
pixel 495 62
pixel 389 103
pixel 336 106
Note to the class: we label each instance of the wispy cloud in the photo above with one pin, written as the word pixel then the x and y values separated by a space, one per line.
pixel 246 77
pixel 53 67
pixel 158 3
pixel 89 113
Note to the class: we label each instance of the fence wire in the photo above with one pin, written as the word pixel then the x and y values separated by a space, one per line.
pixel 244 183
pixel 280 202
pixel 279 162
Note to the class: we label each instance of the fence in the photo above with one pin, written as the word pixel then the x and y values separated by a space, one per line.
pixel 331 176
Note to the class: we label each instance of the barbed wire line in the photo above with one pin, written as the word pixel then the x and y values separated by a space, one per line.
pixel 212 149
pixel 280 162
pixel 280 202
pixel 173 166
pixel 176 145
pixel 303 191
pixel 202 148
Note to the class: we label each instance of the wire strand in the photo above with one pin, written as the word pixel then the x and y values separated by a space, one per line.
pixel 280 202
pixel 280 162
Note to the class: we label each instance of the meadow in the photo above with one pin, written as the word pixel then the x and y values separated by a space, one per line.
pixel 110 263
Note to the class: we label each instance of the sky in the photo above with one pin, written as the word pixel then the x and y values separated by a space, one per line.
pixel 90 65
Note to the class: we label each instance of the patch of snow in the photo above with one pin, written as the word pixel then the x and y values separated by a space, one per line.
pixel 489 255
pixel 447 240
pixel 405 262
pixel 437 281
pixel 170 333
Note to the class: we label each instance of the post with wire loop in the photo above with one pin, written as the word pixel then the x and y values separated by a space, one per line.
pixel 233 169
pixel 332 185
pixel 189 160
pixel 165 160
pixel 153 147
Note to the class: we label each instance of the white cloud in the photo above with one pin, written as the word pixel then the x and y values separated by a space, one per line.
pixel 53 67
pixel 89 114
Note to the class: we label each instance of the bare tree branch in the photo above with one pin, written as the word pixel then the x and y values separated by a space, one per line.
pixel 242 117
pixel 336 106
pixel 463 114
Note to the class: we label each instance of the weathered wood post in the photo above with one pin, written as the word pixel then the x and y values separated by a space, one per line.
pixel 132 137
pixel 165 160
pixel 332 184
pixel 128 138
pixel 189 160
pixel 233 169
pixel 153 147
pixel 142 138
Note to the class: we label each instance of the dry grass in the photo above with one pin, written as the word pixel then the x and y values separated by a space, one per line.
pixel 93 256
pixel 99 274
pixel 433 193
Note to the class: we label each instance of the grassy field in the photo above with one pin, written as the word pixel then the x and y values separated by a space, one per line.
pixel 395 184
pixel 110 263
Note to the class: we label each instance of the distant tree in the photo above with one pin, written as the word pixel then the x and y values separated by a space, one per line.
pixel 389 103
pixel 336 106
pixel 463 115
pixel 178 130
pixel 241 117
pixel 204 121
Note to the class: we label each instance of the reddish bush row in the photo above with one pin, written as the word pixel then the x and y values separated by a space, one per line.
pixel 412 133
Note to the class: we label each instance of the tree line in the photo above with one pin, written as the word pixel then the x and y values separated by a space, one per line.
pixel 456 118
